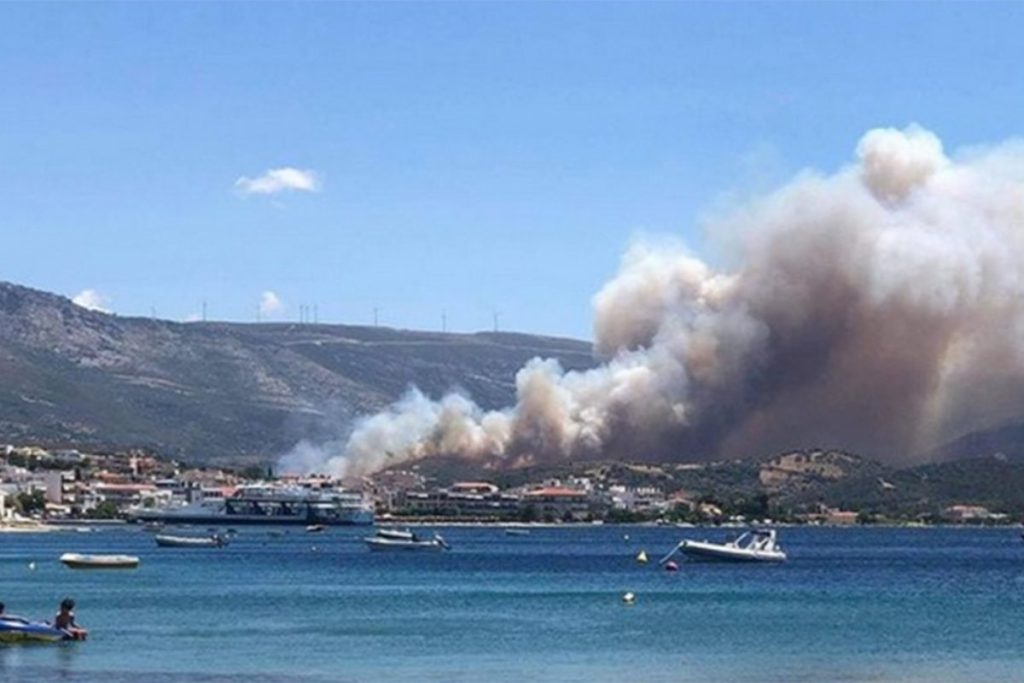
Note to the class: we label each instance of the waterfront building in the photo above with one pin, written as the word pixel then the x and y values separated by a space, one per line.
pixel 464 499
pixel 559 502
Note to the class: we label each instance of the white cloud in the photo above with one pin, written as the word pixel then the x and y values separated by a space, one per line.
pixel 276 180
pixel 92 300
pixel 270 303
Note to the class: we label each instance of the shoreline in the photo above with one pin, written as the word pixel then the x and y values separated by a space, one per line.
pixel 27 528
pixel 440 521
pixel 65 525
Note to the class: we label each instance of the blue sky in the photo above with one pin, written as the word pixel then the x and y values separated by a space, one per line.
pixel 470 158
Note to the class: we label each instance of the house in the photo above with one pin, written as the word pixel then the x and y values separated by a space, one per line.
pixel 558 502
pixel 967 513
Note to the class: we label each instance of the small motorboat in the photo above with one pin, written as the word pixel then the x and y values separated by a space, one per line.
pixel 756 545
pixel 18 630
pixel 315 528
pixel 513 531
pixel 77 561
pixel 399 540
pixel 168 541
pixel 396 534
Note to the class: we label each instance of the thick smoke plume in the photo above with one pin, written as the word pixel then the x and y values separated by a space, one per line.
pixel 878 309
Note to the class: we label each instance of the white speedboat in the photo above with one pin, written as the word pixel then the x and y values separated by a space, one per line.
pixel 398 540
pixel 77 561
pixel 396 534
pixel 168 541
pixel 759 545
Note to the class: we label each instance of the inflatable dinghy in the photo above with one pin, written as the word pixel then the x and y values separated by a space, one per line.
pixel 16 630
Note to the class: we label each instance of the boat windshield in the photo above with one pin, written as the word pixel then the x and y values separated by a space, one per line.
pixel 758 539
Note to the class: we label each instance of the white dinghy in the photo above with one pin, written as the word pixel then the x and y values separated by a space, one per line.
pixel 79 561
pixel 169 541
pixel 756 545
pixel 389 540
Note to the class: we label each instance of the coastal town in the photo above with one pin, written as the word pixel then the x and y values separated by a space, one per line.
pixel 48 487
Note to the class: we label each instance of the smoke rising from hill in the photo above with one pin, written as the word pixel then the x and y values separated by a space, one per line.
pixel 879 308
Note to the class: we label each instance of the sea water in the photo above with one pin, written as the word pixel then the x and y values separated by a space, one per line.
pixel 859 604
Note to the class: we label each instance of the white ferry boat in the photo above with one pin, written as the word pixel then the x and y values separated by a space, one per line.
pixel 267 505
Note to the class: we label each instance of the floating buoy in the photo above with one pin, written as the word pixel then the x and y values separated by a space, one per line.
pixel 642 557
pixel 671 566
pixel 32 566
pixel 625 537
pixel 628 598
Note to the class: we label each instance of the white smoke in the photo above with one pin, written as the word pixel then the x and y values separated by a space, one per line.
pixel 877 309
pixel 92 300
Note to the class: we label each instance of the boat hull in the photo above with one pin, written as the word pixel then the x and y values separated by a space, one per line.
pixel 390 545
pixel 26 632
pixel 184 542
pixel 75 561
pixel 249 520
pixel 714 552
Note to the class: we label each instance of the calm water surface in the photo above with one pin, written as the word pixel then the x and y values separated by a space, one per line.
pixel 851 605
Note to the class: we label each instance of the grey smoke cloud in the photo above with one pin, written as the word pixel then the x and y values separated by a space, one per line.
pixel 878 308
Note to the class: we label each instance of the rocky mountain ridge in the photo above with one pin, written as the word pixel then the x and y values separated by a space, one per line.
pixel 219 392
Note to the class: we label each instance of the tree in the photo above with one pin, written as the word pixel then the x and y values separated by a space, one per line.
pixel 865 517
pixel 253 472
pixel 105 510
pixel 28 502
pixel 529 513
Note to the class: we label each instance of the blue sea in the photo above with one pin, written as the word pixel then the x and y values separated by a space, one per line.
pixel 851 605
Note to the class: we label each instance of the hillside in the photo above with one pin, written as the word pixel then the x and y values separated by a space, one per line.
pixel 224 392
pixel 1004 441
pixel 796 481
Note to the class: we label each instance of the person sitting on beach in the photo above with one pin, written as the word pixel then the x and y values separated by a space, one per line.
pixel 7 616
pixel 65 620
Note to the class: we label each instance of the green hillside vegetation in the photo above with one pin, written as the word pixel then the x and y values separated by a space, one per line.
pixel 786 485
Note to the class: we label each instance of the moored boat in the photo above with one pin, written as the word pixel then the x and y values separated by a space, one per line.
pixel 391 540
pixel 18 630
pixel 79 561
pixel 758 545
pixel 169 541
pixel 264 504
pixel 396 534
